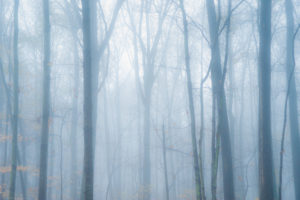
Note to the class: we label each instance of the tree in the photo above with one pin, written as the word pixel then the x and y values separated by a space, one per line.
pixel 266 191
pixel 88 168
pixel 149 53
pixel 191 104
pixel 217 79
pixel 165 162
pixel 42 193
pixel 74 18
pixel 13 174
pixel 93 53
pixel 293 105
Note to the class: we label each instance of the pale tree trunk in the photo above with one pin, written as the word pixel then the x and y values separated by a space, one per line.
pixel 149 51
pixel 164 149
pixel 191 104
pixel 146 142
pixel 74 126
pixel 8 119
pixel 107 141
pixel 15 116
pixel 215 149
pixel 3 179
pixel 118 167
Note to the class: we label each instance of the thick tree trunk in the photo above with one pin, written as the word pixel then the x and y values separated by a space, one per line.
pixel 266 186
pixel 88 169
pixel 218 89
pixel 96 53
pixel 191 104
pixel 42 193
pixel 293 105
pixel 15 117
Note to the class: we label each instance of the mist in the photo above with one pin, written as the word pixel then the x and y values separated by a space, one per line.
pixel 149 100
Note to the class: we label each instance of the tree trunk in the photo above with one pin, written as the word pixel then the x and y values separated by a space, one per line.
pixel 74 126
pixel 22 177
pixel 146 161
pixel 88 104
pixel 218 89
pixel 293 105
pixel 266 186
pixel 3 179
pixel 215 148
pixel 118 167
pixel 191 104
pixel 165 162
pixel 107 140
pixel 42 194
pixel 15 117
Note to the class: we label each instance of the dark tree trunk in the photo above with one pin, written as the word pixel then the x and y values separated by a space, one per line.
pixel 42 193
pixel 96 53
pixel 218 89
pixel 293 105
pixel 266 186
pixel 88 169
pixel 15 117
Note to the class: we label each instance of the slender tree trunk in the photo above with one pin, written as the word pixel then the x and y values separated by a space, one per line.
pixel 51 161
pixel 88 104
pixel 191 104
pixel 107 139
pixel 213 151
pixel 3 180
pixel 119 143
pixel 42 193
pixel 95 58
pixel 240 153
pixel 293 105
pixel 8 119
pixel 15 117
pixel 266 186
pixel 201 147
pixel 146 160
pixel 22 177
pixel 74 126
pixel 22 162
pixel 165 162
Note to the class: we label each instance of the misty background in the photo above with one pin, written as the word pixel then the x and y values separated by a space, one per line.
pixel 149 99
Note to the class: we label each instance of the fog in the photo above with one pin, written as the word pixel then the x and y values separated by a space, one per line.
pixel 149 100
